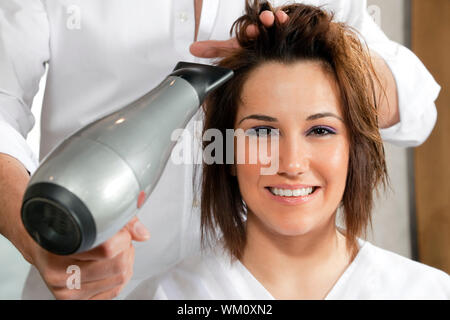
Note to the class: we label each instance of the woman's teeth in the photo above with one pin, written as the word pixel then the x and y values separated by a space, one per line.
pixel 291 192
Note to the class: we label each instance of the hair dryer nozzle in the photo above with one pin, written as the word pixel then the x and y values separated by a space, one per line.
pixel 203 78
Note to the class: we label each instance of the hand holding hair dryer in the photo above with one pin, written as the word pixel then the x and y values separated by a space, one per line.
pixel 94 182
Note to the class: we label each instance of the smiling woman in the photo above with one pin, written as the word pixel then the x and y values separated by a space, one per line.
pixel 311 82
pixel 292 211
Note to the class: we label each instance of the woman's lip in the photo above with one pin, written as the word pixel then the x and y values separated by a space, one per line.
pixel 293 200
pixel 291 186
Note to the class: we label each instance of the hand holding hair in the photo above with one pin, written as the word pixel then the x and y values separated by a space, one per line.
pixel 216 48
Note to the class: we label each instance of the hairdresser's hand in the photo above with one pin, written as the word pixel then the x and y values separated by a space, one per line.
pixel 215 48
pixel 104 270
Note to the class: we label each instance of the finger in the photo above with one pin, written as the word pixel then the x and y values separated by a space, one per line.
pixel 108 295
pixel 213 48
pixel 115 291
pixel 107 250
pixel 102 269
pixel 91 289
pixel 252 31
pixel 281 16
pixel 137 230
pixel 114 284
pixel 267 18
pixel 55 271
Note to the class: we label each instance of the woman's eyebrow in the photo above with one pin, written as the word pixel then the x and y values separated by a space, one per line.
pixel 311 117
pixel 323 115
pixel 259 117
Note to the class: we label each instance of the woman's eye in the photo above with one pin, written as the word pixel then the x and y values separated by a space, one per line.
pixel 261 131
pixel 321 131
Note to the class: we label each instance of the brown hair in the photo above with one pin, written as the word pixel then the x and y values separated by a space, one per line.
pixel 309 34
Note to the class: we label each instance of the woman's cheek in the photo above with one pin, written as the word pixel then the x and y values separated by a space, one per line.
pixel 247 175
pixel 333 161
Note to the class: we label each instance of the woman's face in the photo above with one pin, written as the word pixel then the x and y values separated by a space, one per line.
pixel 301 101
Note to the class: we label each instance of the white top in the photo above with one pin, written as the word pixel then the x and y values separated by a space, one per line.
pixel 104 54
pixel 374 274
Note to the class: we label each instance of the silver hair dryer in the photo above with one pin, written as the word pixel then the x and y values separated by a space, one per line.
pixel 95 181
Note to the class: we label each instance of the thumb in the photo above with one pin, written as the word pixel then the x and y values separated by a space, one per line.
pixel 212 48
pixel 137 230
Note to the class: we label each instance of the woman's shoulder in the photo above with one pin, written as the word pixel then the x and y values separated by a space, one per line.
pixel 383 274
pixel 386 258
pixel 206 275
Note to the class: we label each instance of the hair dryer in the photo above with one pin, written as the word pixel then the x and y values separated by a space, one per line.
pixel 95 181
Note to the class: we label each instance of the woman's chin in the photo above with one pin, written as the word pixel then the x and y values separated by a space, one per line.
pixel 293 229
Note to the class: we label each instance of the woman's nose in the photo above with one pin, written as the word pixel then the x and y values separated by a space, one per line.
pixel 294 158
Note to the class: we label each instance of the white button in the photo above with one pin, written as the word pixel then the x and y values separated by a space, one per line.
pixel 183 16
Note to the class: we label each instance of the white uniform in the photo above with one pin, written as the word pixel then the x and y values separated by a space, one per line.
pixel 104 54
pixel 374 274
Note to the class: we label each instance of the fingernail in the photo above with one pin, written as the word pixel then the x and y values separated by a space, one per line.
pixel 282 16
pixel 141 230
pixel 252 31
pixel 268 16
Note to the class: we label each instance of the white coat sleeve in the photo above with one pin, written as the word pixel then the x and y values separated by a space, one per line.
pixel 24 50
pixel 417 90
